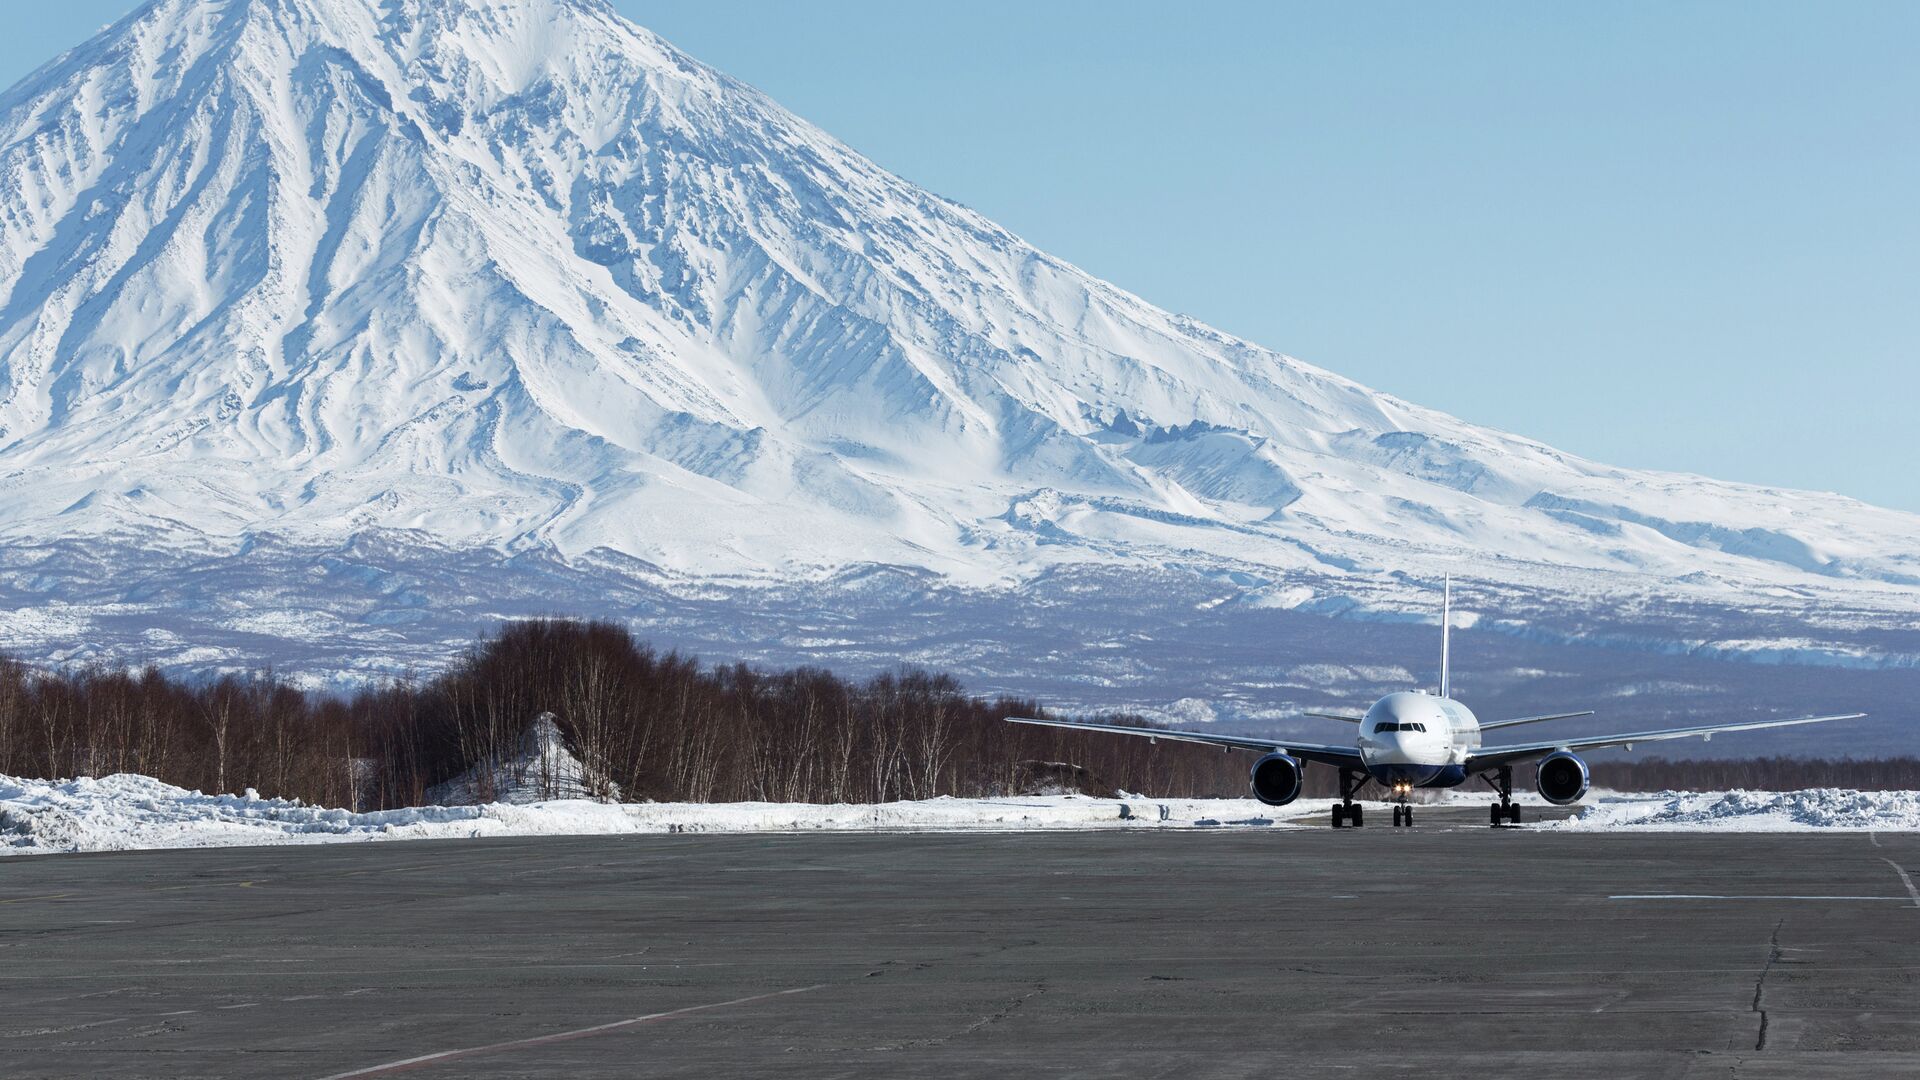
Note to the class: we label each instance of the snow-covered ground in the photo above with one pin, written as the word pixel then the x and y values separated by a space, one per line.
pixel 540 769
pixel 1751 811
pixel 125 812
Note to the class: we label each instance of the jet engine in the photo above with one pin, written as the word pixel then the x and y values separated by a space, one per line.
pixel 1562 778
pixel 1276 779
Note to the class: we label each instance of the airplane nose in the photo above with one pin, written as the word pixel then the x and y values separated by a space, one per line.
pixel 1411 745
pixel 1398 743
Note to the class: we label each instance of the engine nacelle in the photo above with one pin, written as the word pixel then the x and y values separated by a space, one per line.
pixel 1562 778
pixel 1276 779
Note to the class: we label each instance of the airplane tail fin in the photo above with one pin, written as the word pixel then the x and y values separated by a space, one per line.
pixel 1446 640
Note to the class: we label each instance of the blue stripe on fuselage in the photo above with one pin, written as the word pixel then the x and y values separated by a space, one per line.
pixel 1419 775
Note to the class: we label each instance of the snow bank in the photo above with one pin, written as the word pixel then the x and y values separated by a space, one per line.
pixel 126 812
pixel 539 769
pixel 1752 811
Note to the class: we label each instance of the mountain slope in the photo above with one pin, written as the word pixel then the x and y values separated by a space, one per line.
pixel 516 276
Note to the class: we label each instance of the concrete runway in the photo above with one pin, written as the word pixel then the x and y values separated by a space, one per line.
pixel 1435 952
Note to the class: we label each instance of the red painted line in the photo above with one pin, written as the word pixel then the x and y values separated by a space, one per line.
pixel 425 1060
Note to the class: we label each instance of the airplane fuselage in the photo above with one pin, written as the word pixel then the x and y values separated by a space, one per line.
pixel 1418 739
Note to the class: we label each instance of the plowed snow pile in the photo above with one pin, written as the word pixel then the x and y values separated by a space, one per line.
pixel 1753 811
pixel 540 769
pixel 126 812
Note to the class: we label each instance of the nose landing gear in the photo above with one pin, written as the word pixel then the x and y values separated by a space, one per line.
pixel 1402 812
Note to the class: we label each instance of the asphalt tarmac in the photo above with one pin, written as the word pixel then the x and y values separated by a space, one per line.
pixel 1437 951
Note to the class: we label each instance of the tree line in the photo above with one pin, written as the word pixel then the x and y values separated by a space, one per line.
pixel 649 724
pixel 652 725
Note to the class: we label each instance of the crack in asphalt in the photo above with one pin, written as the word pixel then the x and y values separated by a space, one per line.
pixel 1760 984
pixel 988 1020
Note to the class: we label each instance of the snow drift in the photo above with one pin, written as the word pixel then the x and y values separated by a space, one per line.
pixel 126 812
pixel 1752 811
pixel 539 768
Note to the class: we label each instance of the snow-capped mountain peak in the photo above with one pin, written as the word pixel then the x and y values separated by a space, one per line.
pixel 519 275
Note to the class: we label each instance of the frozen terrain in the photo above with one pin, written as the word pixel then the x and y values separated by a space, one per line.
pixel 334 331
pixel 126 812
pixel 1751 811
pixel 539 769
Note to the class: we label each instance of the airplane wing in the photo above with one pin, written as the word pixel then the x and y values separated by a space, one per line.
pixel 1492 757
pixel 1327 755
pixel 1534 720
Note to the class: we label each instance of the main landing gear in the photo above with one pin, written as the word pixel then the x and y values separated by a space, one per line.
pixel 1506 809
pixel 1347 812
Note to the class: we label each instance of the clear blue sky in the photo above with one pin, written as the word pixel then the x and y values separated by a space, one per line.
pixel 1669 234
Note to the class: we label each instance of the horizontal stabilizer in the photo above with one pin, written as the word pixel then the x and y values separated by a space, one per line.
pixel 1338 716
pixel 1533 720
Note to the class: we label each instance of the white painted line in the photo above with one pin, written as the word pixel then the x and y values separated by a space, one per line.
pixel 1905 880
pixel 562 1036
pixel 1709 896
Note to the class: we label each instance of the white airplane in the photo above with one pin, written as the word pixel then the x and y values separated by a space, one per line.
pixel 1412 739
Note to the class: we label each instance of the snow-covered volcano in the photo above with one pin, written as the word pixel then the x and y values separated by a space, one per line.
pixel 516 278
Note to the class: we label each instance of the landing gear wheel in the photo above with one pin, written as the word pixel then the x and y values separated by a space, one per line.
pixel 1409 817
pixel 1346 810
pixel 1506 809
pixel 1398 813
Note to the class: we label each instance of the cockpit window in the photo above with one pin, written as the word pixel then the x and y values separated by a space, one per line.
pixel 1384 726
